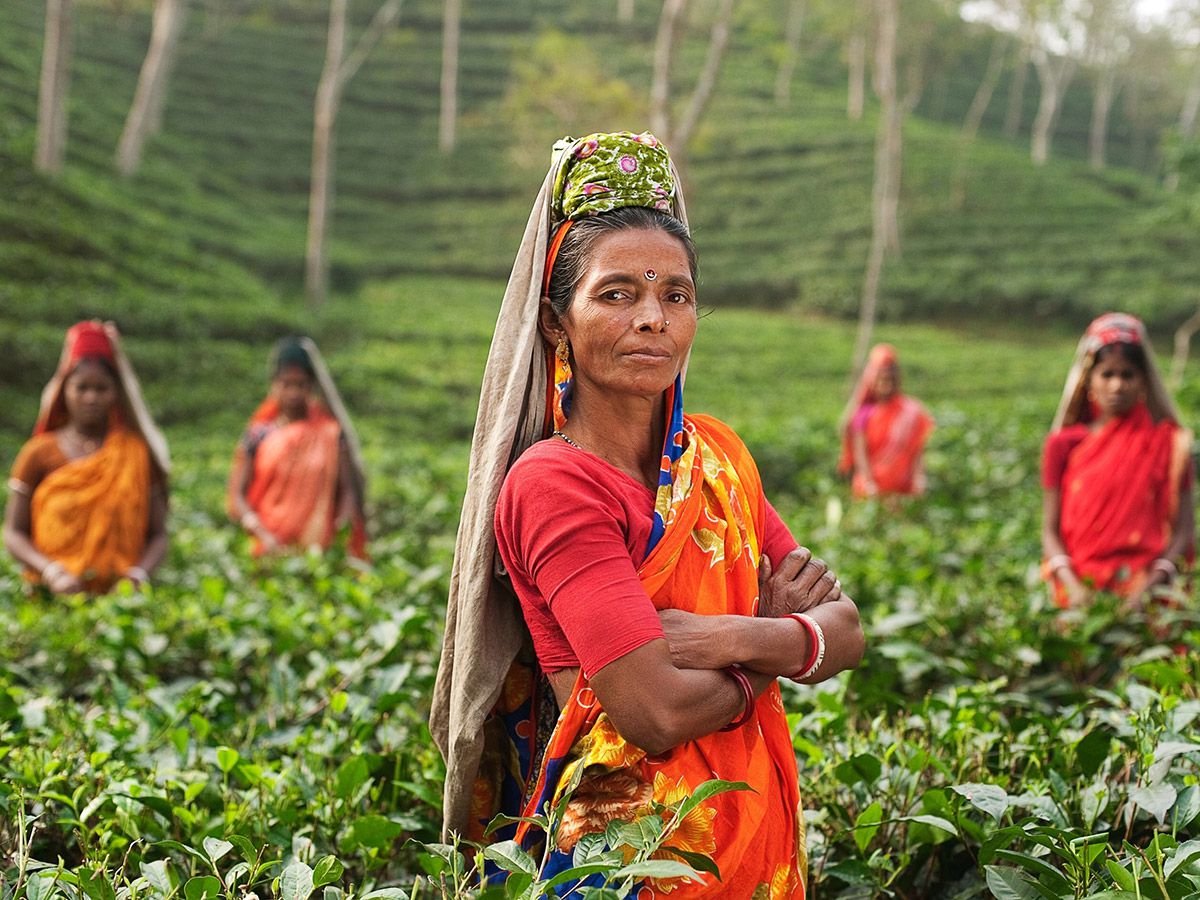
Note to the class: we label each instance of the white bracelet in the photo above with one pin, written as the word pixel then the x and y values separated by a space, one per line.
pixel 250 520
pixel 138 574
pixel 1058 561
pixel 812 670
pixel 1162 564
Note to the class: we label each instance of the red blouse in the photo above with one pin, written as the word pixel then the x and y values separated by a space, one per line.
pixel 572 530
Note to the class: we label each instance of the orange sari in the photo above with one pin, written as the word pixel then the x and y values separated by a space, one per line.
pixel 91 514
pixel 294 486
pixel 1119 498
pixel 707 563
pixel 895 435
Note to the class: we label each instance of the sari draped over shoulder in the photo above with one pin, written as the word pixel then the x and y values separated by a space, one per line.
pixel 91 515
pixel 894 430
pixel 294 477
pixel 1119 497
pixel 706 562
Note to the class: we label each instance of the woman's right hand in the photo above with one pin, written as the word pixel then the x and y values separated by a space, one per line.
pixel 61 580
pixel 800 584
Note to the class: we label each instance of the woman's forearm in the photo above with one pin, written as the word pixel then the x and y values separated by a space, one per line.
pixel 657 706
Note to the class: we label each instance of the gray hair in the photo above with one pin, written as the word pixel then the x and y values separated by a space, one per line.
pixel 579 243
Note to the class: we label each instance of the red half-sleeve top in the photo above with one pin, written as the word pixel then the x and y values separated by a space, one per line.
pixel 572 530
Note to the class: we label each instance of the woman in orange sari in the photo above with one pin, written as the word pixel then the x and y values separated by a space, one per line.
pixel 884 431
pixel 87 502
pixel 658 596
pixel 1116 473
pixel 297 478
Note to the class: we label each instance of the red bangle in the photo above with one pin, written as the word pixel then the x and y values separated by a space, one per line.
pixel 735 672
pixel 813 642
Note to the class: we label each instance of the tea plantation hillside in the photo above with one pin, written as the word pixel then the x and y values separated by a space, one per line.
pixel 208 237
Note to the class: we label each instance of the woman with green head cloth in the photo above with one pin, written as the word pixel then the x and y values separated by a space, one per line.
pixel 624 598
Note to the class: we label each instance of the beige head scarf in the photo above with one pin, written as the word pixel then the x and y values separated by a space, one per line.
pixel 484 626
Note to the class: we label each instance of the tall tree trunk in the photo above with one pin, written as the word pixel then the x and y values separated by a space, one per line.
pixel 448 117
pixel 1187 121
pixel 885 194
pixel 856 88
pixel 149 99
pixel 54 87
pixel 320 190
pixel 1191 106
pixel 1016 94
pixel 718 41
pixel 624 11
pixel 660 84
pixel 791 51
pixel 339 69
pixel 1054 76
pixel 983 94
pixel 1106 88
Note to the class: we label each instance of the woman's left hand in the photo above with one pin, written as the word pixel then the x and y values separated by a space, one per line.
pixel 801 583
pixel 695 640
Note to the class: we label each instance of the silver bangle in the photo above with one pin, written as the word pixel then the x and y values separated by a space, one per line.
pixel 138 574
pixel 53 564
pixel 812 670
pixel 250 520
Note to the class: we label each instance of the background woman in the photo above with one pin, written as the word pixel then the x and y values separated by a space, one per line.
pixel 297 476
pixel 638 541
pixel 884 431
pixel 87 502
pixel 1116 471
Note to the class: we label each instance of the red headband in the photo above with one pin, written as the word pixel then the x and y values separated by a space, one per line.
pixel 88 339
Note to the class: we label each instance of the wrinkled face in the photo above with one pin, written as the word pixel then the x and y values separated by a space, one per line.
pixel 1115 384
pixel 90 392
pixel 637 281
pixel 887 379
pixel 292 387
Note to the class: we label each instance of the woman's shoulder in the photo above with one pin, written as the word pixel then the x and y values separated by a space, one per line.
pixel 1068 435
pixel 712 427
pixel 37 458
pixel 553 460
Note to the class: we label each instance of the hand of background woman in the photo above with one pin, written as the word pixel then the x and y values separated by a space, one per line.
pixel 60 580
pixel 800 584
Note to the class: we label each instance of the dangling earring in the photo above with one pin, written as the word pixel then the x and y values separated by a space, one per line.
pixel 563 350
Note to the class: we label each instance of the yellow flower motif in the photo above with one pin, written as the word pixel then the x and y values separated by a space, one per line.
pixel 604 746
pixel 695 832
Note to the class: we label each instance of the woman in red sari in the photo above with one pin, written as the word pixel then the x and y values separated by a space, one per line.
pixel 1116 473
pixel 297 477
pixel 87 506
pixel 658 596
pixel 884 431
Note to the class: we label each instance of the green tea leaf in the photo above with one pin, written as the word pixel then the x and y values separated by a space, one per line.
pixel 202 887
pixel 867 825
pixel 158 876
pixel 327 870
pixel 295 882
pixel 659 868
pixel 216 848
pixel 351 775
pixel 509 856
pixel 374 831
pixel 227 758
pixel 1156 799
pixel 989 798
pixel 1008 884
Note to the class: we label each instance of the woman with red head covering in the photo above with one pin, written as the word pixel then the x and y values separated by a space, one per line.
pixel 884 431
pixel 297 476
pixel 1116 472
pixel 87 500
